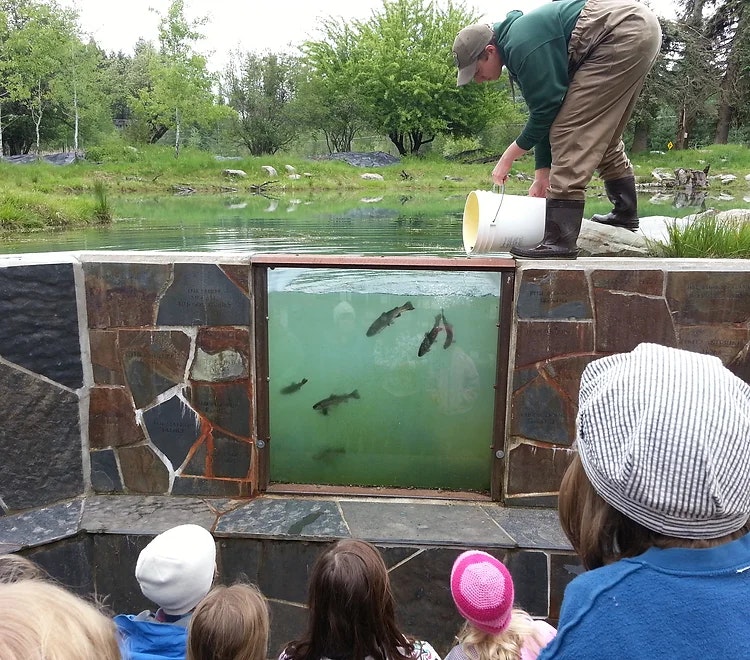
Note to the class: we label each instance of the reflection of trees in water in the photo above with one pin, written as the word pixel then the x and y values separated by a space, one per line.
pixel 682 199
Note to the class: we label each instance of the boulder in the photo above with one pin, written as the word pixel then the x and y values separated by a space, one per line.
pixel 693 178
pixel 270 170
pixel 663 175
pixel 598 240
pixel 724 178
pixel 234 174
pixel 290 169
pixel 362 159
pixel 734 215
pixel 294 176
pixel 371 176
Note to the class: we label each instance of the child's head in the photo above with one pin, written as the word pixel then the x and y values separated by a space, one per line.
pixel 351 605
pixel 14 568
pixel 39 619
pixel 230 623
pixel 176 569
pixel 663 455
pixel 482 590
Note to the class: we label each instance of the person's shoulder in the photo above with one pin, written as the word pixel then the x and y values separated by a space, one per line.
pixel 460 652
pixel 424 651
pixel 544 632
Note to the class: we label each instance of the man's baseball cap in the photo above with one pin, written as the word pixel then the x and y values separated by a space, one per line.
pixel 467 47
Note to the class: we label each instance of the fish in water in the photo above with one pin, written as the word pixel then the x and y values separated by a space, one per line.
pixel 430 337
pixel 387 318
pixel 293 387
pixel 448 331
pixel 335 399
pixel 329 453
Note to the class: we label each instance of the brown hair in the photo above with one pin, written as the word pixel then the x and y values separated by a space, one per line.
pixel 230 623
pixel 40 620
pixel 351 608
pixel 14 568
pixel 600 534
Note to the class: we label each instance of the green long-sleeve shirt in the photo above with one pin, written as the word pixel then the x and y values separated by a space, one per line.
pixel 534 49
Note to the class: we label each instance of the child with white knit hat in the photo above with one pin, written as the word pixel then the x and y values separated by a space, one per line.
pixel 175 571
pixel 482 589
pixel 657 505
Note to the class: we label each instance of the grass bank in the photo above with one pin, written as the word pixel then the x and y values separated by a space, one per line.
pixel 41 196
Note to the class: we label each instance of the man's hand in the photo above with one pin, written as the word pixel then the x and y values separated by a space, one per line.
pixel 541 183
pixel 500 173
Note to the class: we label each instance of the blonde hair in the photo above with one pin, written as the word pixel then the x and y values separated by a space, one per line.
pixel 506 645
pixel 14 568
pixel 230 623
pixel 42 621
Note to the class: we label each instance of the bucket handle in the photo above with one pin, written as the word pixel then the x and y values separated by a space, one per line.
pixel 495 188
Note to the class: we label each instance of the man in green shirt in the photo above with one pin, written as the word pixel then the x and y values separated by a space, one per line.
pixel 580 65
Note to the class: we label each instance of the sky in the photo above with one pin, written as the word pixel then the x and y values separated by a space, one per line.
pixel 253 25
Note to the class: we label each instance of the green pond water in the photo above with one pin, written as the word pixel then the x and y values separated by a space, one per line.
pixel 346 223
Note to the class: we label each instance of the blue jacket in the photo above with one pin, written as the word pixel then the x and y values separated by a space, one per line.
pixel 674 603
pixel 150 640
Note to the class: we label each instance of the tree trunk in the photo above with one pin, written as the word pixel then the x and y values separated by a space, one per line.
pixel 398 140
pixel 157 134
pixel 75 110
pixel 640 138
pixel 38 119
pixel 683 131
pixel 728 92
pixel 177 134
pixel 726 112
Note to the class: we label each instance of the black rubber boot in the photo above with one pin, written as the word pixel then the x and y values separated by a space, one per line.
pixel 621 193
pixel 562 224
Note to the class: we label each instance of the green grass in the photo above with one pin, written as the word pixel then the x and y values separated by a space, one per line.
pixel 706 237
pixel 41 195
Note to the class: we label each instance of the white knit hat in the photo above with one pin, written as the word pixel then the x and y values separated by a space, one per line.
pixel 664 437
pixel 176 569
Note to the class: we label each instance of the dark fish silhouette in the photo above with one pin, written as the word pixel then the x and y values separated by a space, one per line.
pixel 448 331
pixel 386 318
pixel 329 453
pixel 430 337
pixel 290 389
pixel 334 400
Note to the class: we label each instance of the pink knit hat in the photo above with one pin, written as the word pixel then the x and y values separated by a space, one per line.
pixel 482 589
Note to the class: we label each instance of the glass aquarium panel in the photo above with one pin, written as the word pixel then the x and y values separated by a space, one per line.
pixel 382 378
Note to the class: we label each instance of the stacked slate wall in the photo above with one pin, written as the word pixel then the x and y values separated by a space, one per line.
pixel 570 313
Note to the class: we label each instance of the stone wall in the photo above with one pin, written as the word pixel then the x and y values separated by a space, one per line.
pixel 133 373
pixel 171 403
pixel 570 313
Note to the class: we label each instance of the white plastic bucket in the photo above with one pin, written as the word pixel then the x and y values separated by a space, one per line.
pixel 496 222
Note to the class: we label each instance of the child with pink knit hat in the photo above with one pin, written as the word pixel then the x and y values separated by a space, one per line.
pixel 482 589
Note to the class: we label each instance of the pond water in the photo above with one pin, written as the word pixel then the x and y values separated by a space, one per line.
pixel 333 224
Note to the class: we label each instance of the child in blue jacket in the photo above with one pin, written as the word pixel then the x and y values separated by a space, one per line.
pixel 175 571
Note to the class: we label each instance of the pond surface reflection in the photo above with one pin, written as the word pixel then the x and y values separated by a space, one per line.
pixel 428 224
